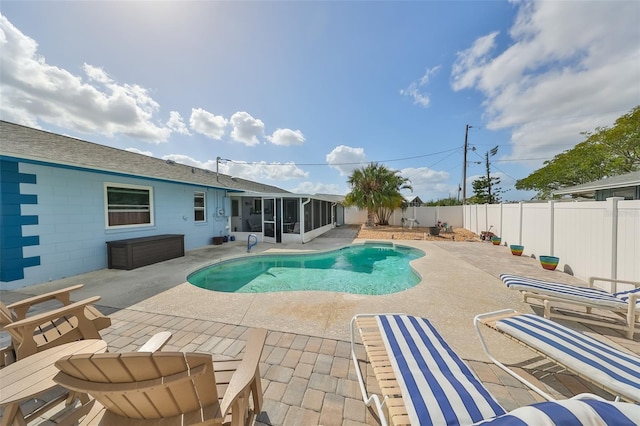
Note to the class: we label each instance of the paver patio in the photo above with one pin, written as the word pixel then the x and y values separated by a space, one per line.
pixel 307 374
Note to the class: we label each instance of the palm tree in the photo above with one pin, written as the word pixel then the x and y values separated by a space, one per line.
pixel 376 189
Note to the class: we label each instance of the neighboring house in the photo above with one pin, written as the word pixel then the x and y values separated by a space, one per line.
pixel 627 186
pixel 414 201
pixel 62 199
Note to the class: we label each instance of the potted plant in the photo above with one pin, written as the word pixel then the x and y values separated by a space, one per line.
pixel 516 250
pixel 549 262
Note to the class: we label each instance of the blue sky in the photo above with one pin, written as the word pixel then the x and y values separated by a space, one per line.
pixel 298 94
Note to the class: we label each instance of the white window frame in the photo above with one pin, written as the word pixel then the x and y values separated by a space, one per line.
pixel 203 209
pixel 108 185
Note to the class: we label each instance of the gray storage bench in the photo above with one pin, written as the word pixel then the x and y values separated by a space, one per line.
pixel 135 252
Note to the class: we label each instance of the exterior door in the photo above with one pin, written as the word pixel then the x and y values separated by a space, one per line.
pixel 269 220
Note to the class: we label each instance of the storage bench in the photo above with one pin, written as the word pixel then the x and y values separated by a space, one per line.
pixel 135 252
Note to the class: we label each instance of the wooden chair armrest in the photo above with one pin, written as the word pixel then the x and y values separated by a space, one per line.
pixel 613 281
pixel 74 309
pixel 63 295
pixel 246 372
pixel 156 342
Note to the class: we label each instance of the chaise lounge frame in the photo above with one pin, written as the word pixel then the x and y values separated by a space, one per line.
pixel 609 368
pixel 452 388
pixel 628 313
pixel 442 389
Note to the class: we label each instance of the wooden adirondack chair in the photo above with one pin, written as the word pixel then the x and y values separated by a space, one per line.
pixel 167 387
pixel 70 322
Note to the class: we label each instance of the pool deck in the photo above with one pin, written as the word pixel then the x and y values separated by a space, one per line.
pixel 308 377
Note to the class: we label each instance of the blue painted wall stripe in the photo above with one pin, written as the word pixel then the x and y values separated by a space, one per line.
pixel 12 241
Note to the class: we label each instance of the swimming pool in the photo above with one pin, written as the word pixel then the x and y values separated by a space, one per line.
pixel 370 268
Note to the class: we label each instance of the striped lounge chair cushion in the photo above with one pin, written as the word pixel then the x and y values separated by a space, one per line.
pixel 585 412
pixel 438 387
pixel 616 370
pixel 588 295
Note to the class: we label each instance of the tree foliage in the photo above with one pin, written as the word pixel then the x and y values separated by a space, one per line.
pixel 450 201
pixel 376 189
pixel 606 152
pixel 483 193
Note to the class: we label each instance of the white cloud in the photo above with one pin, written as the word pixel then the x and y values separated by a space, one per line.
pixel 570 67
pixel 265 171
pixel 137 151
pixel 208 124
pixel 317 188
pixel 428 184
pixel 469 64
pixel 415 89
pixel 188 161
pixel 176 123
pixel 255 171
pixel 346 159
pixel 286 137
pixel 33 91
pixel 246 129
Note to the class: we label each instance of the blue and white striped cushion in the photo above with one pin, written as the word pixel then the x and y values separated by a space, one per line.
pixel 624 295
pixel 438 387
pixel 617 370
pixel 590 295
pixel 584 412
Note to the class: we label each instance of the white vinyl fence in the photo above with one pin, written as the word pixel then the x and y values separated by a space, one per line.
pixel 593 238
pixel 422 216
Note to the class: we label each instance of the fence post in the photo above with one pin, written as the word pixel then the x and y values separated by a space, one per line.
pixel 552 235
pixel 612 208
pixel 501 232
pixel 520 224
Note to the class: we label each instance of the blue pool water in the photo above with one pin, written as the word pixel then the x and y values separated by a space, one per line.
pixel 371 268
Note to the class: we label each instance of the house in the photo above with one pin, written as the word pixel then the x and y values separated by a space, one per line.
pixel 627 186
pixel 63 199
pixel 413 201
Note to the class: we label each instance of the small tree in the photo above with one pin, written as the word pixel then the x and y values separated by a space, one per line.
pixel 376 189
pixel 486 191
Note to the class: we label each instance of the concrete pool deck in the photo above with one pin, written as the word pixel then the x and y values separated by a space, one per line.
pixel 307 375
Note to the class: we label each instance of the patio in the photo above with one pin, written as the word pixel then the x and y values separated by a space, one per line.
pixel 307 374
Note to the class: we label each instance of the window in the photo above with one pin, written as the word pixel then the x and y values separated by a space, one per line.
pixel 199 209
pixel 128 205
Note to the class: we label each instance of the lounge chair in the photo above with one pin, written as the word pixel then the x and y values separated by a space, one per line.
pixel 70 322
pixel 613 370
pixel 626 304
pixel 167 387
pixel 423 381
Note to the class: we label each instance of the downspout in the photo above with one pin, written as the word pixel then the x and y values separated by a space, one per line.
pixel 302 224
pixel 333 216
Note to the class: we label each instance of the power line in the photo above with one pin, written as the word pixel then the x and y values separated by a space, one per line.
pixel 351 163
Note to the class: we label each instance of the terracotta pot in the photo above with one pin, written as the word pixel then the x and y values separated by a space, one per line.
pixel 516 250
pixel 549 262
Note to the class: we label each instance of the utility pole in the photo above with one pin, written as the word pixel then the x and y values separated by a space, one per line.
pixel 464 165
pixel 490 153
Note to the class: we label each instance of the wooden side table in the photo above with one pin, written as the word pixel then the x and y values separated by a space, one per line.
pixel 33 376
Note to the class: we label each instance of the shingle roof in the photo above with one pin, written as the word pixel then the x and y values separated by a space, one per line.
pixel 38 145
pixel 620 181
